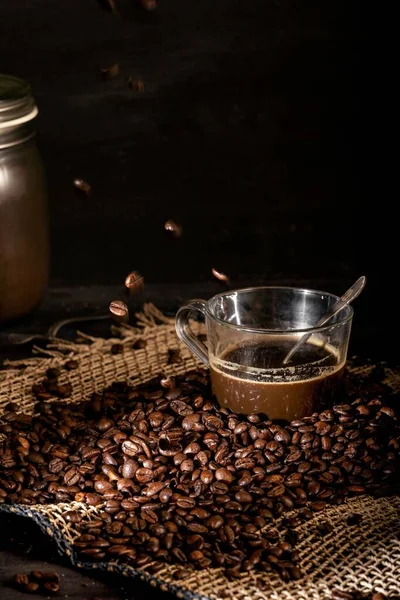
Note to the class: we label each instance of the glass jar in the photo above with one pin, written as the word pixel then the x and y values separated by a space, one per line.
pixel 24 237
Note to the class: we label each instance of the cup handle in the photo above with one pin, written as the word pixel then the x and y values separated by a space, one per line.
pixel 186 334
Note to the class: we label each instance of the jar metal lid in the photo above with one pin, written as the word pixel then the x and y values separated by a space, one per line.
pixel 17 105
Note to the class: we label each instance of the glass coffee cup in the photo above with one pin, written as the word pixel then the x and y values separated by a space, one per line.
pixel 249 334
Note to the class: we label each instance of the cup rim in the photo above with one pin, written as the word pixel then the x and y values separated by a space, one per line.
pixel 310 330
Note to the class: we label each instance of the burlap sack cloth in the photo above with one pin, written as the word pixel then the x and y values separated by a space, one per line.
pixel 364 558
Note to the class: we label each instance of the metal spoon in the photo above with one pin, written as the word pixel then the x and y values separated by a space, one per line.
pixel 351 294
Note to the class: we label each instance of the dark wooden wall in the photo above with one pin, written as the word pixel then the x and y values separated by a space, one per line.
pixel 250 133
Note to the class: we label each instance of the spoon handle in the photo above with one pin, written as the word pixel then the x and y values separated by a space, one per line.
pixel 351 294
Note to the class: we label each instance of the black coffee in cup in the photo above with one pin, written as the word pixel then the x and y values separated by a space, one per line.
pixel 251 378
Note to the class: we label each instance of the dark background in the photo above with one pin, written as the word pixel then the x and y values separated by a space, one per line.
pixel 249 133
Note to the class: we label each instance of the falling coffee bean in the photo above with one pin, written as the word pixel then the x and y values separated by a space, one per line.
pixel 134 282
pixel 110 72
pixel 173 227
pixel 119 311
pixel 82 186
pixel 148 5
pixel 136 85
pixel 219 275
pixel 110 4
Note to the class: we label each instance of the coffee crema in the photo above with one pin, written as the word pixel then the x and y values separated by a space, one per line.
pixel 251 378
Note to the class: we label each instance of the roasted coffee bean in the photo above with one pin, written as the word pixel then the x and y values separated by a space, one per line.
pixel 287 502
pixel 51 587
pixel 294 456
pixel 224 475
pixel 179 555
pixel 326 442
pixel 131 448
pixel 295 572
pixel 143 475
pixel 126 485
pixel 283 436
pixel 149 515
pixel 354 519
pixel 327 415
pixel 165 495
pixel 356 489
pixel 152 545
pixel 72 516
pixel 187 466
pixel 53 373
pixel 56 465
pixel 313 488
pixel 197 527
pixel 214 522
pixel 185 502
pixel 44 576
pixel 212 422
pixel 317 506
pixel 71 365
pixel 102 485
pixel 192 448
pixel 324 528
pixel 182 574
pixel 174 357
pixel 304 467
pixel 93 499
pixel 112 506
pixel 306 514
pixel 245 463
pixel 276 492
pixel 206 476
pixel 31 587
pixel 200 513
pixel 243 497
pixel 21 579
pixel 218 487
pixel 72 476
pixel 64 391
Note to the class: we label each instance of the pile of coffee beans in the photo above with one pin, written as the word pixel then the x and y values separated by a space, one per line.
pixel 177 479
pixel 37 582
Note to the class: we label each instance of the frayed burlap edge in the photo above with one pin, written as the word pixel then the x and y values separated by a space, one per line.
pixel 366 557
